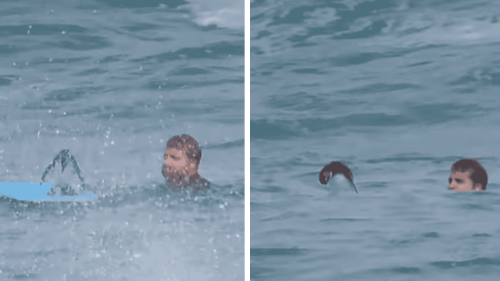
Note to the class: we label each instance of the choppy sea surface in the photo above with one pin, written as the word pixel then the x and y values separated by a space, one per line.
pixel 398 91
pixel 112 81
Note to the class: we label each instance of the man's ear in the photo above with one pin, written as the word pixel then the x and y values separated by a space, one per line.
pixel 477 187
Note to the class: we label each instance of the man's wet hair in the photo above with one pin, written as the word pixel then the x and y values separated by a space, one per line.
pixel 193 150
pixel 477 172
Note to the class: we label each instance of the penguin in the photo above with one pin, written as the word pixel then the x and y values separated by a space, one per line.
pixel 330 170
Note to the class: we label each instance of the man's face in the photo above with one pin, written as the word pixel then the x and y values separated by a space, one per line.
pixel 460 181
pixel 176 163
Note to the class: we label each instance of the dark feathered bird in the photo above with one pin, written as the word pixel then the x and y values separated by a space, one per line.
pixel 330 170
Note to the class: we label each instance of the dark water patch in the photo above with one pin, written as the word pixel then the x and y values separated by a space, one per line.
pixel 305 101
pixel 431 235
pixel 262 34
pixel 72 94
pixel 40 61
pixel 191 83
pixel 481 235
pixel 406 270
pixel 155 39
pixel 269 189
pixel 257 272
pixel 399 270
pixel 212 51
pixel 226 145
pixel 31 105
pixel 96 70
pixel 126 112
pixel 188 71
pixel 113 58
pixel 414 158
pixel 12 235
pixel 304 44
pixel 356 120
pixel 141 27
pixel 12 30
pixel 467 263
pixel 25 276
pixel 7 79
pixel 308 71
pixel 344 220
pixel 362 58
pixel 40 29
pixel 9 49
pixel 15 11
pixel 271 130
pixel 404 242
pixel 381 88
pixel 281 217
pixel 270 68
pixel 465 90
pixel 143 3
pixel 425 4
pixel 379 184
pixel 81 43
pixel 419 64
pixel 471 206
pixel 266 252
pixel 84 111
pixel 256 50
pixel 414 30
pixel 468 6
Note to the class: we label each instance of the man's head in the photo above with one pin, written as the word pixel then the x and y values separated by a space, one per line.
pixel 182 157
pixel 467 175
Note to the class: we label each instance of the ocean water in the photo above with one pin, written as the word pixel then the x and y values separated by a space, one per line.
pixel 398 91
pixel 112 81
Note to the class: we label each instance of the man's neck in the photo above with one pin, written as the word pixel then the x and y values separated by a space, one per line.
pixel 182 181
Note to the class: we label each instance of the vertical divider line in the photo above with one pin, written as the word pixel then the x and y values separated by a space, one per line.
pixel 247 140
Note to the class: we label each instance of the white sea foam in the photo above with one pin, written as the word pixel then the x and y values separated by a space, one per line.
pixel 225 13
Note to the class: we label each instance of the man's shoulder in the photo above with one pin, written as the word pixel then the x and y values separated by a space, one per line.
pixel 199 182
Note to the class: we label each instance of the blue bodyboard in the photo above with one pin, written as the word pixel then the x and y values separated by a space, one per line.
pixel 32 191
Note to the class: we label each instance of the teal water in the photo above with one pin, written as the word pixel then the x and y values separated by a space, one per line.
pixel 398 91
pixel 112 81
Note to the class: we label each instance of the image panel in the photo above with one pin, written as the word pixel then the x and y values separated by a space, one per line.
pixel 122 140
pixel 367 117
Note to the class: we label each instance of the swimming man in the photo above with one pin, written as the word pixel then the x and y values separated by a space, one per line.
pixel 467 175
pixel 180 163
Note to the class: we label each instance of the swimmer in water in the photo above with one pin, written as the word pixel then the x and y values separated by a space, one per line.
pixel 330 170
pixel 467 175
pixel 180 163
